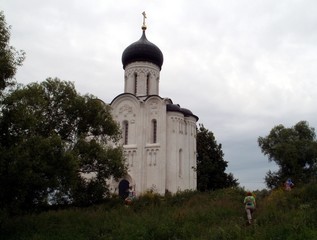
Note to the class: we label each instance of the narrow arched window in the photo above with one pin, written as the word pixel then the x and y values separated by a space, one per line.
pixel 125 82
pixel 125 131
pixel 147 84
pixel 135 83
pixel 180 163
pixel 154 131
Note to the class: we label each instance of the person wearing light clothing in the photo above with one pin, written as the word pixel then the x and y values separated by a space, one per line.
pixel 250 205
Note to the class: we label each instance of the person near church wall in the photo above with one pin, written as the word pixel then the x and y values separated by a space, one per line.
pixel 131 196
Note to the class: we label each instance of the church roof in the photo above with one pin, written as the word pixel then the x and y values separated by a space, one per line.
pixel 176 108
pixel 142 50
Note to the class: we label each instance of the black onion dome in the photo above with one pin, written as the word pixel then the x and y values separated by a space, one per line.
pixel 142 50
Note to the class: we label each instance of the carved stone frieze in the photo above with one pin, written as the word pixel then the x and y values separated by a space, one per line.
pixel 126 109
pixel 130 156
pixel 144 70
pixel 153 107
pixel 152 156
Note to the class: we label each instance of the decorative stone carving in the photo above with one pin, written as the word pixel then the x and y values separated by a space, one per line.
pixel 140 70
pixel 153 107
pixel 130 156
pixel 152 156
pixel 125 109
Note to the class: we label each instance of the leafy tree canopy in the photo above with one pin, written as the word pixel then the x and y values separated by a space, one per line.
pixel 294 150
pixel 210 163
pixel 10 58
pixel 51 140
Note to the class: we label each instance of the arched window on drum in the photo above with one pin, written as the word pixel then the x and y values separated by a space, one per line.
pixel 125 132
pixel 148 84
pixel 153 131
pixel 135 83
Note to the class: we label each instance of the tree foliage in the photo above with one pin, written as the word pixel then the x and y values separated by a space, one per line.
pixel 210 163
pixel 294 150
pixel 10 58
pixel 52 139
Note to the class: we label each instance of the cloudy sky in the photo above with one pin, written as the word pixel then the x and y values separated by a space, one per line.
pixel 242 66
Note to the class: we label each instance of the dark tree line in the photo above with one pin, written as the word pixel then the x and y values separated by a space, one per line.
pixel 51 139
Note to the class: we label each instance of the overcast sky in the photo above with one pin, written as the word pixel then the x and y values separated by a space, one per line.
pixel 241 66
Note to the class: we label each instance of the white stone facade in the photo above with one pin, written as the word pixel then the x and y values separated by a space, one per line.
pixel 159 142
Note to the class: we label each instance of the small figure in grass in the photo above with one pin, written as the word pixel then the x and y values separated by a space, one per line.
pixel 288 184
pixel 131 197
pixel 250 205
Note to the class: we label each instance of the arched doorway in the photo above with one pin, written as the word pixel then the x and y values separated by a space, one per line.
pixel 124 188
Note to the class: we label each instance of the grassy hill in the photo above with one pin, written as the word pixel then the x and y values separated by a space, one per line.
pixel 187 215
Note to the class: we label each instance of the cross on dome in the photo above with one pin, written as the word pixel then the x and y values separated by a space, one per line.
pixel 144 17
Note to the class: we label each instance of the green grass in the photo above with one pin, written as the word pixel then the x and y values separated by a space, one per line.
pixel 187 215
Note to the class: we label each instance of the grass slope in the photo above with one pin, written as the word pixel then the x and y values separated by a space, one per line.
pixel 187 215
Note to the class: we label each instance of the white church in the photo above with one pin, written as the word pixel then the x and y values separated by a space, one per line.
pixel 158 136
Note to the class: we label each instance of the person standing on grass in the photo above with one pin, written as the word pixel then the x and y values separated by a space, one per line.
pixel 131 197
pixel 250 205
pixel 288 185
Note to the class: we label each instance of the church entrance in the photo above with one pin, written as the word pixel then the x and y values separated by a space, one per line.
pixel 124 188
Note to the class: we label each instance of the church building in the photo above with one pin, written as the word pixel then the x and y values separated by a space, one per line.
pixel 158 136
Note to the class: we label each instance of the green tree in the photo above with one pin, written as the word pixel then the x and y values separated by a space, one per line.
pixel 210 163
pixel 294 150
pixel 51 139
pixel 10 58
